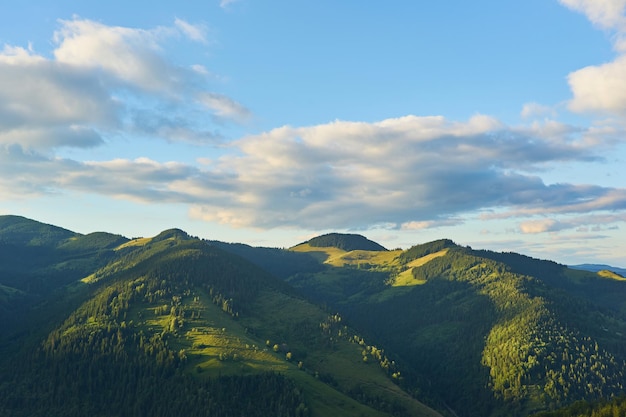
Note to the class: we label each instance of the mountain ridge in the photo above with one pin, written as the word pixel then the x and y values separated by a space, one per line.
pixel 348 332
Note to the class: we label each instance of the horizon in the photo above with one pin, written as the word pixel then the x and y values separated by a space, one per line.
pixel 499 126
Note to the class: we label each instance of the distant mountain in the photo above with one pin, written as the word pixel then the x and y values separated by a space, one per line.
pixel 347 242
pixel 20 231
pixel 600 267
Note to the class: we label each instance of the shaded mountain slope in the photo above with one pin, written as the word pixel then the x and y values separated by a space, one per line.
pixel 278 262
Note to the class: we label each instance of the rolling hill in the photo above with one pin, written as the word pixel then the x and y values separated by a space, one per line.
pixel 338 325
pixel 173 325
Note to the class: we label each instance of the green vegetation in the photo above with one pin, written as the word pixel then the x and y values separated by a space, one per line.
pixel 171 325
pixel 614 408
pixel 174 326
pixel 515 334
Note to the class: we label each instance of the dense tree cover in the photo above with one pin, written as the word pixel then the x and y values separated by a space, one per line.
pixel 347 242
pixel 339 285
pixel 278 262
pixel 508 341
pixel 106 386
pixel 616 407
pixel 21 231
pixel 99 362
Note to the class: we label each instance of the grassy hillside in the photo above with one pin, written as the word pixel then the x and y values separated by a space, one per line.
pixel 175 310
pixel 514 334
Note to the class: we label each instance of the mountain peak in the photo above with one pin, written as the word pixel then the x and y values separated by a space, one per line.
pixel 345 241
pixel 19 230
pixel 175 234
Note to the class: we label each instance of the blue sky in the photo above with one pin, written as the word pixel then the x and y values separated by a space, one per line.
pixel 497 124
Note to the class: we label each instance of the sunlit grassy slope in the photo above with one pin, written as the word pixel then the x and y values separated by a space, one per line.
pixel 611 275
pixel 357 258
pixel 400 272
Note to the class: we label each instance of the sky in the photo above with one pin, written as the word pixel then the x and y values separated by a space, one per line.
pixel 499 125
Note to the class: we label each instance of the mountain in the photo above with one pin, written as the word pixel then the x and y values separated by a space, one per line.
pixel 347 242
pixel 480 333
pixel 600 267
pixel 102 325
pixel 172 325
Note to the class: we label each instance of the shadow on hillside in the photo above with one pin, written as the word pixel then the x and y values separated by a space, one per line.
pixel 438 329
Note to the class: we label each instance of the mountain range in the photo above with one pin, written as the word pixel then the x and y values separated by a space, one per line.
pixel 103 325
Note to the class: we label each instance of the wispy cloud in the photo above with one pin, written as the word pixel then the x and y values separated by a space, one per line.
pixel 530 110
pixel 225 3
pixel 225 107
pixel 196 33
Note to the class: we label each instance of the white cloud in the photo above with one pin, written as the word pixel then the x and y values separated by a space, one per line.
pixel 580 223
pixel 193 32
pixel 601 88
pixel 130 55
pixel 413 172
pixel 607 14
pixel 102 80
pixel 539 226
pixel 530 110
pixel 225 107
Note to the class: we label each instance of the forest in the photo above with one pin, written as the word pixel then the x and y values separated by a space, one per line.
pixel 103 325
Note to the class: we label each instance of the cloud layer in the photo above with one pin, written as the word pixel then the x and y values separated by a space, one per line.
pixel 406 173
pixel 104 80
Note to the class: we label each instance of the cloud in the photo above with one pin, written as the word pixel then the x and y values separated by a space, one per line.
pixel 225 3
pixel 411 172
pixel 530 110
pixel 430 224
pixel 129 55
pixel 102 81
pixel 193 32
pixel 539 226
pixel 601 88
pixel 582 224
pixel 225 107
pixel 37 95
pixel 408 173
pixel 606 14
